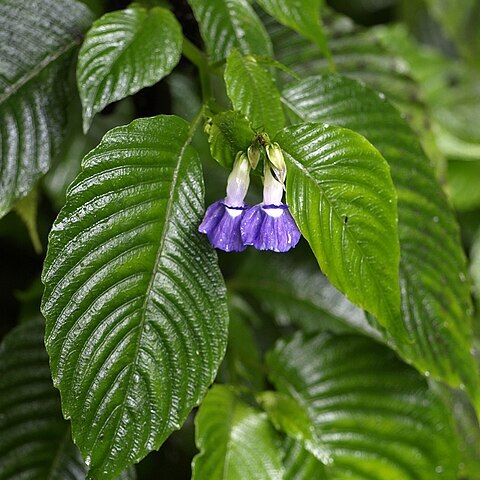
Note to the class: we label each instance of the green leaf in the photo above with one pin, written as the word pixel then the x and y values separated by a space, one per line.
pixel 288 416
pixel 450 88
pixel 134 299
pixel 123 52
pixel 227 24
pixel 300 464
pixel 303 16
pixel 462 187
pixel 357 53
pixel 475 263
pixel 184 95
pixel 34 89
pixel 35 440
pixel 77 145
pixel 362 54
pixel 243 363
pixel 271 62
pixel 229 133
pixel 235 440
pixel 253 92
pixel 436 305
pixel 373 414
pixel 26 209
pixel 341 195
pixel 293 291
pixel 460 22
pixel 467 428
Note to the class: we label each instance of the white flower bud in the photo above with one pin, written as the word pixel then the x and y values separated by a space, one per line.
pixel 238 181
pixel 275 156
pixel 253 153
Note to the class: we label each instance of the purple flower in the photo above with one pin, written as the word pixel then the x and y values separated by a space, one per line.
pixel 222 226
pixel 222 219
pixel 270 227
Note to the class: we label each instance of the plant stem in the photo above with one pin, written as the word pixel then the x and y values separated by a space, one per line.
pixel 198 58
pixel 197 120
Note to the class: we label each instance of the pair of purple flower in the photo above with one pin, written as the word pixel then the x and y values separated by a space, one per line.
pixel 231 225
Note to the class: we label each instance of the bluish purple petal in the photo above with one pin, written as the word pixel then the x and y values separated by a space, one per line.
pixel 270 227
pixel 222 226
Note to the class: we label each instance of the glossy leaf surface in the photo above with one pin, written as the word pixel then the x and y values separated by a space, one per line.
pixel 227 24
pixel 134 300
pixel 236 441
pixel 293 291
pixel 302 16
pixel 34 88
pixel 252 90
pixel 301 464
pixel 436 304
pixel 288 416
pixel 357 53
pixel 123 52
pixel 35 440
pixel 375 416
pixel 341 195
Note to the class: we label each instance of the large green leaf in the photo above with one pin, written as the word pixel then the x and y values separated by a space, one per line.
pixel 301 464
pixel 357 52
pixel 436 304
pixel 302 16
pixel 288 416
pixel 467 428
pixel 35 440
pixel 363 54
pixel 243 363
pixel 229 133
pixel 293 291
pixel 225 24
pixel 37 39
pixel 236 441
pixel 134 299
pixel 252 90
pixel 373 414
pixel 341 195
pixel 123 52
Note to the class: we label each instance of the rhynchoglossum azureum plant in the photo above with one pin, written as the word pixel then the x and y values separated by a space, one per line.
pixel 258 214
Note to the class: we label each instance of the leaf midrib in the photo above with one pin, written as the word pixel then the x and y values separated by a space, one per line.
pixel 139 24
pixel 45 63
pixel 151 282
pixel 153 276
